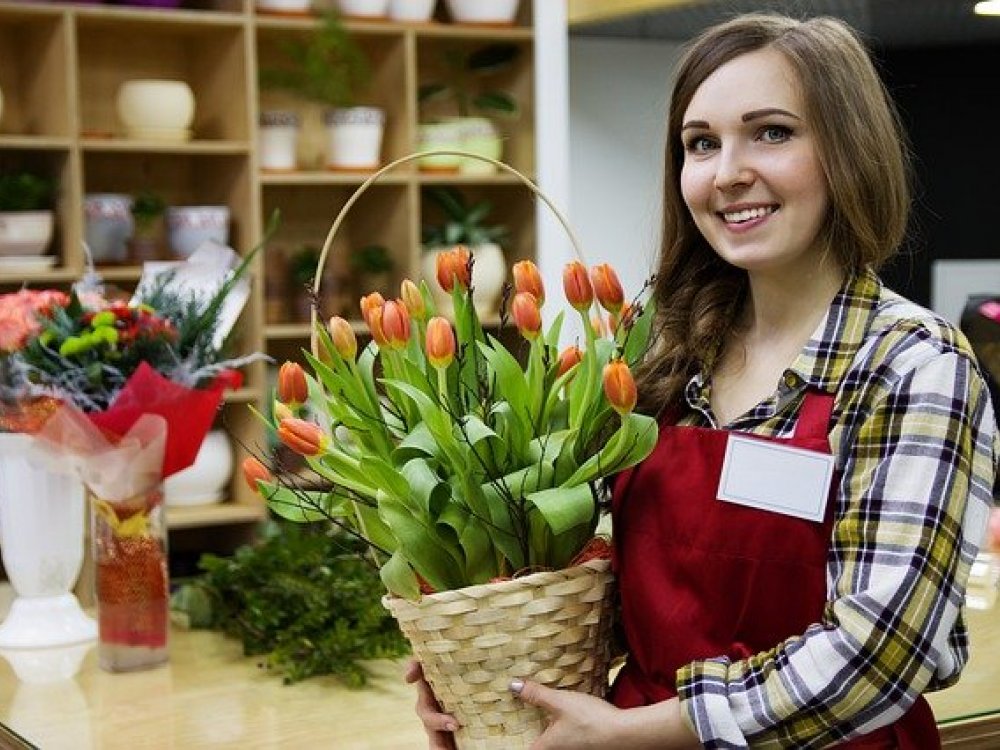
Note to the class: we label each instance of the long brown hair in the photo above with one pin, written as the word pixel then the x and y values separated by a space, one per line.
pixel 864 157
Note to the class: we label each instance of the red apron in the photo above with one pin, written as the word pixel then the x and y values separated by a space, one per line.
pixel 701 578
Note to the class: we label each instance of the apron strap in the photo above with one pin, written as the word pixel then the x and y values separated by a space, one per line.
pixel 814 416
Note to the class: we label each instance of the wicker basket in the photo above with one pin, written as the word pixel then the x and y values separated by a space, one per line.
pixel 553 628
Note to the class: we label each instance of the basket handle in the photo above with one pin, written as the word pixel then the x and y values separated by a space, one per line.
pixel 342 215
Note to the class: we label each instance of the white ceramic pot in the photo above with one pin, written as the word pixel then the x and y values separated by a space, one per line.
pixel 278 137
pixel 363 8
pixel 41 539
pixel 491 12
pixel 286 7
pixel 25 232
pixel 205 481
pixel 108 226
pixel 489 271
pixel 440 136
pixel 189 226
pixel 156 108
pixel 411 11
pixel 354 137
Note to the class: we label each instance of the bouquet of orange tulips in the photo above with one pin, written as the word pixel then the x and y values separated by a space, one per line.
pixel 458 460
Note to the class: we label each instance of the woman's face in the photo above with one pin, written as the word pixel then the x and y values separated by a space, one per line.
pixel 751 177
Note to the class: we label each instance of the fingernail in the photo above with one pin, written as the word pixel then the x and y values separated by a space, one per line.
pixel 450 726
pixel 516 686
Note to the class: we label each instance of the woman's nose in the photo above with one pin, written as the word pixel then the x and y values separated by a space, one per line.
pixel 733 169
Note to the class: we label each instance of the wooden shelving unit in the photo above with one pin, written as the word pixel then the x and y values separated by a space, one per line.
pixel 60 68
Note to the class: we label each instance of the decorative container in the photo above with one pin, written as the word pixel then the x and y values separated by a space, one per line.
pixel 411 11
pixel 278 137
pixel 552 627
pixel 131 579
pixel 157 109
pixel 24 233
pixel 42 542
pixel 483 12
pixel 285 7
pixel 440 136
pixel 189 226
pixel 479 136
pixel 205 481
pixel 108 226
pixel 354 138
pixel 363 9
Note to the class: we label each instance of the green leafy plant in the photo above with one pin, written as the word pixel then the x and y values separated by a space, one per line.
pixel 26 191
pixel 302 266
pixel 329 67
pixel 303 596
pixel 147 208
pixel 463 223
pixel 371 259
pixel 464 72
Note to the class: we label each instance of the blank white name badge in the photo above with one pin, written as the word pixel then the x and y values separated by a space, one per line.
pixel 779 478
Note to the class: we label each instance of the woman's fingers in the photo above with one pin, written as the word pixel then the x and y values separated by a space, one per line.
pixel 438 725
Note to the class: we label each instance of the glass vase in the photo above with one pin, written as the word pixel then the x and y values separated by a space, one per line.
pixel 131 580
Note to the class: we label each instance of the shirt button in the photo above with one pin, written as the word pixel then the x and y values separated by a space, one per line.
pixel 791 379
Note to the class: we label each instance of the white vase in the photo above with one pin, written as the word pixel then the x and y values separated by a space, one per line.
pixel 354 137
pixel 278 135
pixel 205 481
pixel 108 226
pixel 411 11
pixel 488 274
pixel 41 537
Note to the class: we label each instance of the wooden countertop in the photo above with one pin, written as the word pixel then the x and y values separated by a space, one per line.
pixel 210 696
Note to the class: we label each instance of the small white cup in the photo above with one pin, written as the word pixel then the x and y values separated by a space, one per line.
pixel 189 226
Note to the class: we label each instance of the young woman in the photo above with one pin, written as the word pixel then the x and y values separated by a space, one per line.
pixel 792 557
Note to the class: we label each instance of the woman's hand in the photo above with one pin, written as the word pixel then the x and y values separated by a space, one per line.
pixel 438 726
pixel 578 721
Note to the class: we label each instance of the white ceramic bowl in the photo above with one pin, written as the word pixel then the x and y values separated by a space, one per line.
pixel 25 232
pixel 189 226
pixel 487 12
pixel 153 104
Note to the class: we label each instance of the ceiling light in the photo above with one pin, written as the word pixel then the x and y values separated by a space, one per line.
pixel 987 8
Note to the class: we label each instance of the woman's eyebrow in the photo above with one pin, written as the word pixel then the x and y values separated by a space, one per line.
pixel 767 112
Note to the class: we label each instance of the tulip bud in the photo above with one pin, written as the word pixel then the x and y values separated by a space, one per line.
pixel 607 288
pixel 281 411
pixel 305 438
pixel 526 314
pixel 368 303
pixel 619 386
pixel 576 285
pixel 342 335
pixel 454 266
pixel 292 387
pixel 569 358
pixel 396 324
pixel 254 471
pixel 528 279
pixel 413 299
pixel 440 343
pixel 375 325
pixel 597 324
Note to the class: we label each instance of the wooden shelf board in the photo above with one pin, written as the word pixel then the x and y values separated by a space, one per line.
pixel 270 23
pixel 56 276
pixel 164 20
pixel 327 178
pixel 26 12
pixel 468 31
pixel 35 142
pixel 194 516
pixel 242 396
pixel 127 145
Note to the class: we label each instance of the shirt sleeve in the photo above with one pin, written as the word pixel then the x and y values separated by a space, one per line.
pixel 917 460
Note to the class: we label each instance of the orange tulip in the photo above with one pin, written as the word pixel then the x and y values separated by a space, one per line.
pixel 254 471
pixel 454 266
pixel 396 324
pixel 576 285
pixel 619 386
pixel 569 358
pixel 281 411
pixel 528 279
pixel 292 387
pixel 607 288
pixel 305 438
pixel 342 335
pixel 526 314
pixel 413 299
pixel 375 325
pixel 368 303
pixel 440 342
pixel 597 324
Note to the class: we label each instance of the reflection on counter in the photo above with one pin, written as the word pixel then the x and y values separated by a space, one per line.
pixel 984 581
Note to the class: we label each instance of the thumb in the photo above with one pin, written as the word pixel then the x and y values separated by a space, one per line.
pixel 535 694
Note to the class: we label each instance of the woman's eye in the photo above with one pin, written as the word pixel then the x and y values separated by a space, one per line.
pixel 775 134
pixel 699 144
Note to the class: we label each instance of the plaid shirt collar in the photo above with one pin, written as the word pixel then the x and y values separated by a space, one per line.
pixel 825 359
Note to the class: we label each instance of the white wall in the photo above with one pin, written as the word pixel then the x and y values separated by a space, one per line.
pixel 618 93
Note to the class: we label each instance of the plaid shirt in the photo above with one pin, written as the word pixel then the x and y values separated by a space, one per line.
pixel 916 444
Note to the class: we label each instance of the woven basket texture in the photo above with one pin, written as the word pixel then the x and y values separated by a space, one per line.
pixel 552 627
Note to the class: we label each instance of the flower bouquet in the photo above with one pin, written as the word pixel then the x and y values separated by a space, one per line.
pixel 123 394
pixel 473 477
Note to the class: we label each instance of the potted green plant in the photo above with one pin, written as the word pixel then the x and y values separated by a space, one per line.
pixel 148 209
pixel 371 266
pixel 301 272
pixel 330 68
pixel 26 216
pixel 466 105
pixel 464 223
